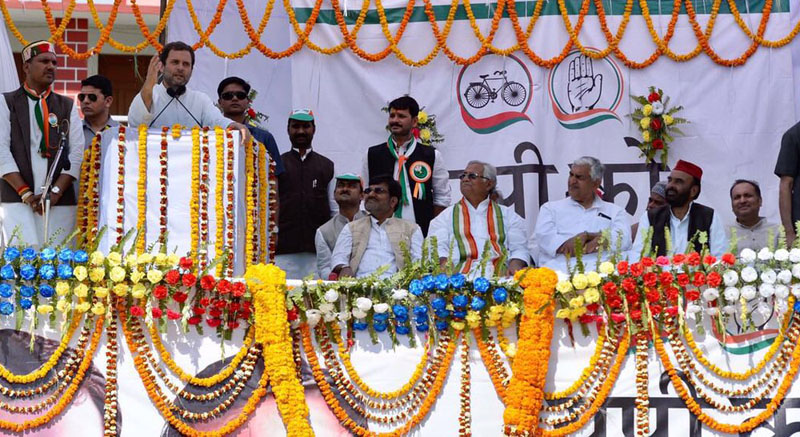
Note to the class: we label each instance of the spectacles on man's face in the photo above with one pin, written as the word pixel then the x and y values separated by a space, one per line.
pixel 471 176
pixel 92 97
pixel 376 190
pixel 229 95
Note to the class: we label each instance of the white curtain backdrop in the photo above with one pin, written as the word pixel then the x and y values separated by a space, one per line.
pixel 8 74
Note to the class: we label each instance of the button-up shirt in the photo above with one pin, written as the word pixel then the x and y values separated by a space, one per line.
pixel 89 133
pixel 516 236
pixel 324 251
pixel 560 220
pixel 753 237
pixel 199 104
pixel 378 253
pixel 679 231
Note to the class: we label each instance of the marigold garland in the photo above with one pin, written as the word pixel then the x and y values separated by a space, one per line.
pixel 203 223
pixel 465 413
pixel 162 183
pixel 493 362
pixel 250 207
pixel 600 343
pixel 141 191
pixel 120 219
pixel 110 404
pixel 230 224
pixel 194 202
pixel 219 208
pixel 48 365
pixel 93 199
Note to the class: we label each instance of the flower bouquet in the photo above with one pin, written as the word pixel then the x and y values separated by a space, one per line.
pixel 657 124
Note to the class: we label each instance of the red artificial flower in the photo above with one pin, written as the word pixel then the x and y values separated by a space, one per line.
pixel 654 97
pixel 622 267
pixel 650 279
pixel 415 132
pixel 672 294
pixel 205 301
pixel 693 259
pixel 636 314
pixel 662 261
pixel 672 311
pixel 618 317
pixel 592 307
pixel 692 295
pixel 699 279
pixel 173 315
pixel 233 306
pixel 614 301
pixel 194 320
pixel 653 296
pixel 714 279
pixel 186 263
pixel 632 298
pixel 238 289
pixel 647 261
pixel 136 310
pixel 207 282
pixel 252 113
pixel 655 309
pixel 656 125
pixel 233 324
pixel 629 285
pixel 223 286
pixel 189 280
pixel 658 144
pixel 157 313
pixel 243 314
pixel 610 288
pixel 199 310
pixel 160 292
pixel 665 278
pixel 246 305
pixel 637 269
pixel 683 279
pixel 586 319
pixel 214 312
pixel 678 259
pixel 729 259
pixel 709 259
pixel 180 297
pixel 172 277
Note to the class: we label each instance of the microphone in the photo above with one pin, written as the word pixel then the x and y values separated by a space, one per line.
pixel 63 129
pixel 171 93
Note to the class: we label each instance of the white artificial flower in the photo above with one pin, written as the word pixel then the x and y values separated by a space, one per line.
pixel 710 294
pixel 326 308
pixel 731 294
pixel 766 290
pixel 749 274
pixel 713 311
pixel 769 276
pixel 781 255
pixel 796 290
pixel 748 292
pixel 747 256
pixel 562 276
pixel 781 291
pixel 796 270
pixel 781 306
pixel 784 276
pixel 363 303
pixel 331 295
pixel 313 317
pixel 399 294
pixel 344 316
pixel 765 254
pixel 729 309
pixel 692 309
pixel 329 317
pixel 658 108
pixel 764 309
pixel 794 255
pixel 730 278
pixel 358 313
pixel 381 308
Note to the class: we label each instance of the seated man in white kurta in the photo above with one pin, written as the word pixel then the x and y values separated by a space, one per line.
pixel 477 222
pixel 581 216
pixel 370 243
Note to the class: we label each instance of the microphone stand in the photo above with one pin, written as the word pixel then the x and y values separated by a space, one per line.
pixel 48 182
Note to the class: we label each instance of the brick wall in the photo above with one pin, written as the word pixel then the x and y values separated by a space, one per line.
pixel 71 71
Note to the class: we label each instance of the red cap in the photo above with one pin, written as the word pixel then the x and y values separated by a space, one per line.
pixel 689 168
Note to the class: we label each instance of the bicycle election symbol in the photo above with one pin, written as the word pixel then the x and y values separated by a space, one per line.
pixel 479 94
pixel 491 102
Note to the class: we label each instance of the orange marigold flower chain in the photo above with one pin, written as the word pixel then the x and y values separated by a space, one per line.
pixel 163 181
pixel 120 219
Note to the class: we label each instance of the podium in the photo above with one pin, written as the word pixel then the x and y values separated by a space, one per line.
pixel 197 191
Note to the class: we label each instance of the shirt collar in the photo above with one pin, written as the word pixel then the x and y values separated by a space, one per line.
pixel 685 217
pixel 303 157
pixel 110 123
pixel 481 206
pixel 596 203
pixel 755 226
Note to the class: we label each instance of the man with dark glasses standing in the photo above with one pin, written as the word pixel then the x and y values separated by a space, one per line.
pixel 95 99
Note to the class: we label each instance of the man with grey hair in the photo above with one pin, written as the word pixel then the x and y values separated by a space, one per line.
pixel 581 217
pixel 477 225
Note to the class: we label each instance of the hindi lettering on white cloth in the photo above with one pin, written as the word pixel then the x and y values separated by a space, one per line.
pixel 679 231
pixel 199 104
pixel 516 237
pixel 560 220
pixel 378 253
pixel 19 215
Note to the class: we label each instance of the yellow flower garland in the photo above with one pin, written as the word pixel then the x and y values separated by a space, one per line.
pixel 219 209
pixel 194 203
pixel 249 205
pixel 601 340
pixel 46 367
pixel 141 191
pixel 263 205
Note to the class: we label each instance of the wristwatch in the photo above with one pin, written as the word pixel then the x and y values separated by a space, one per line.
pixel 55 190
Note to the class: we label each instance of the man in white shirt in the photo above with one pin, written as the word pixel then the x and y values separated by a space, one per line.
pixel 583 216
pixel 169 102
pixel 370 243
pixel 752 230
pixel 348 193
pixel 476 222
pixel 685 218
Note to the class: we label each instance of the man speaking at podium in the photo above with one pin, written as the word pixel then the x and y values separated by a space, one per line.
pixel 169 102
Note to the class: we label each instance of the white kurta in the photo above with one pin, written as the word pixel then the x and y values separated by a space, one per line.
pixel 14 215
pixel 378 253
pixel 679 231
pixel 516 241
pixel 198 103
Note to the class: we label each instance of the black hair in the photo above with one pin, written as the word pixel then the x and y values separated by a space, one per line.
pixel 100 82
pixel 178 46
pixel 405 102
pixel 746 181
pixel 233 79
pixel 394 187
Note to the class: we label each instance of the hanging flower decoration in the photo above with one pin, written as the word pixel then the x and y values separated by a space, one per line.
pixel 657 123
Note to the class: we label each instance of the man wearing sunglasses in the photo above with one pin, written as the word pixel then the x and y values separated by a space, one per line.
pixel 95 100
pixel 376 242
pixel 476 224
pixel 234 101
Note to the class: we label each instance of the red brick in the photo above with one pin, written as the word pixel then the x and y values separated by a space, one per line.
pixel 72 86
pixel 65 74
pixel 81 23
pixel 81 47
pixel 74 36
pixel 74 63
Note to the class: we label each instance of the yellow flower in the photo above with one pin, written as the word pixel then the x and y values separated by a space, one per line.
pixel 98 309
pixel 496 309
pixel 173 259
pixel 138 291
pixel 62 305
pixel 121 289
pixel 161 259
pixel 593 278
pixel 563 313
pixel 647 109
pixel 154 276
pixel 564 287
pixel 62 288
pixel 580 281
pixel 668 120
pixel 114 259
pixel 80 273
pixel 101 292
pixel 576 302
pixel 606 268
pixel 473 319
pixel 83 307
pixel 136 276
pixel 422 117
pixel 96 258
pixel 495 316
pixel 511 311
pixel 425 134
pixel 490 323
pixel 576 312
pixel 646 136
pixel 144 258
pixel 644 123
pixel 131 261
pixel 45 309
pixel 97 274
pixel 511 350
pixel 458 326
pixel 117 274
pixel 81 290
pixel 591 295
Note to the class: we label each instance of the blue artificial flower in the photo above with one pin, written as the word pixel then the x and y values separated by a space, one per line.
pixel 46 290
pixel 457 281
pixel 64 271
pixel 442 313
pixel 460 301
pixel 6 291
pixel 6 308
pixel 380 317
pixel 442 282
pixel 402 330
pixel 48 254
pixel 27 272
pixel 11 253
pixel 29 254
pixel 420 310
pixel 359 326
pixel 422 327
pixel 428 282
pixel 421 319
pixel 400 310
pixel 438 303
pixel 477 303
pixel 26 291
pixel 401 318
pixel 80 256
pixel 441 325
pixel 797 307
pixel 481 285
pixel 7 272
pixel 460 314
pixel 25 304
pixel 416 288
pixel 47 272
pixel 379 327
pixel 65 255
pixel 500 295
